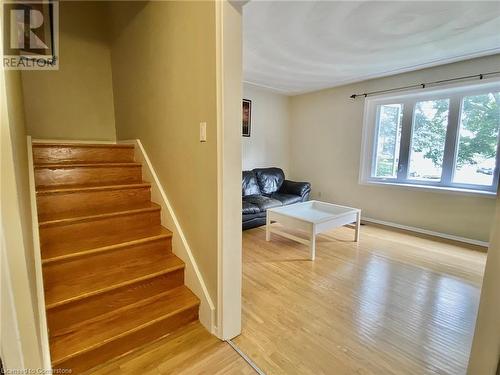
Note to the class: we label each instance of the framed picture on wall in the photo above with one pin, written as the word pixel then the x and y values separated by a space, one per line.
pixel 247 117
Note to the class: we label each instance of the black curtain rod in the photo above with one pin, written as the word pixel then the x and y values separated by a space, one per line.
pixel 424 85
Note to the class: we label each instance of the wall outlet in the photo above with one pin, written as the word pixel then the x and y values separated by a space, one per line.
pixel 319 194
pixel 203 131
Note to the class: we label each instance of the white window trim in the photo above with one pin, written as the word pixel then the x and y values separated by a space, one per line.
pixel 454 92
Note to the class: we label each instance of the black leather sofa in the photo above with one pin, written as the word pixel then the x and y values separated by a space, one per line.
pixel 264 188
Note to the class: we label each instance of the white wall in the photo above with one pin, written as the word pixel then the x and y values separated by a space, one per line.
pixel 76 101
pixel 229 73
pixel 178 78
pixel 485 353
pixel 168 76
pixel 19 336
pixel 326 128
pixel 269 143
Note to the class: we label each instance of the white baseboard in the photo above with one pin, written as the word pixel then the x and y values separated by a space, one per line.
pixel 193 277
pixel 427 232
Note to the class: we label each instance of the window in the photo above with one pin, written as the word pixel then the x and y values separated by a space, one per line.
pixel 428 137
pixel 478 139
pixel 388 140
pixel 445 138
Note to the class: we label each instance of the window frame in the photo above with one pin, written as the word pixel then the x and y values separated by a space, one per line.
pixel 455 94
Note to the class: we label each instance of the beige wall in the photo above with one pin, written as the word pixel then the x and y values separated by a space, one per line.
pixel 20 157
pixel 18 294
pixel 326 128
pixel 485 353
pixel 269 143
pixel 75 102
pixel 229 77
pixel 143 64
pixel 164 80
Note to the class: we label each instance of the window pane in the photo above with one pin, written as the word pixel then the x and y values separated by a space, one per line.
pixel 427 140
pixel 388 140
pixel 478 138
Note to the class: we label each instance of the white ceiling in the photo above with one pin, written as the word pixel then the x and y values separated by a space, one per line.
pixel 301 46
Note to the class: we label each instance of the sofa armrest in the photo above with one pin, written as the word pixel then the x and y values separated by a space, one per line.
pixel 301 189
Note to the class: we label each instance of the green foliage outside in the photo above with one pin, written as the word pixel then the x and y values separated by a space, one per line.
pixel 429 132
pixel 478 135
pixel 388 135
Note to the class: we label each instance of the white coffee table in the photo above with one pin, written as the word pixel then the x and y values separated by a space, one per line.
pixel 314 217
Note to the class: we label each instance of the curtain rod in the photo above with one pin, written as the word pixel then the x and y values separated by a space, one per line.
pixel 424 85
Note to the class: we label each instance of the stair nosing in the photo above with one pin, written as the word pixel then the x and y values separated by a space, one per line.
pixel 85 145
pixel 114 286
pixel 121 309
pixel 69 190
pixel 79 219
pixel 128 332
pixel 85 165
pixel 105 249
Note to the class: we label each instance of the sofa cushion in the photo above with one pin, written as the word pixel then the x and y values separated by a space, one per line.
pixel 249 185
pixel 249 208
pixel 270 179
pixel 253 222
pixel 296 188
pixel 260 215
pixel 262 202
pixel 286 198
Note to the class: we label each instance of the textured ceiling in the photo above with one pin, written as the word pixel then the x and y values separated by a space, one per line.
pixel 300 46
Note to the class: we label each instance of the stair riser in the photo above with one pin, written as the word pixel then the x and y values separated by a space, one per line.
pixel 129 342
pixel 75 202
pixel 52 235
pixel 93 175
pixel 60 318
pixel 92 267
pixel 82 154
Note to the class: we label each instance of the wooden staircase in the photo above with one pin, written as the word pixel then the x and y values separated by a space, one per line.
pixel 111 281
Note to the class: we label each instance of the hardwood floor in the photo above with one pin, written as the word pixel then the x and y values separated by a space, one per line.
pixel 391 304
pixel 191 350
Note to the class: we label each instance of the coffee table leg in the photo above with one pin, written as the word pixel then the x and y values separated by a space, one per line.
pixel 268 229
pixel 312 243
pixel 358 225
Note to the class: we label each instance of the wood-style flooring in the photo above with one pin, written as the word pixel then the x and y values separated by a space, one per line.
pixel 190 350
pixel 393 303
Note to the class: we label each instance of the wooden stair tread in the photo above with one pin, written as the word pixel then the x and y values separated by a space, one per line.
pixel 70 246
pixel 91 336
pixel 95 214
pixel 111 281
pixel 57 174
pixel 84 165
pixel 151 234
pixel 57 153
pixel 85 283
pixel 60 319
pixel 89 145
pixel 61 189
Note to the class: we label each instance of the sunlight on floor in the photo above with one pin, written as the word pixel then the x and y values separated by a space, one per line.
pixel 394 303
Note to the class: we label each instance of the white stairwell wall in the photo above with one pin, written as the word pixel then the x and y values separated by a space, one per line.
pixel 193 277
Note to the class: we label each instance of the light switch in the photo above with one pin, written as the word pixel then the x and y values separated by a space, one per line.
pixel 203 131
